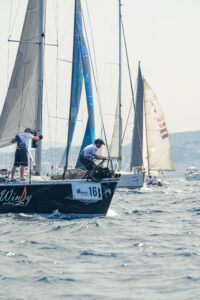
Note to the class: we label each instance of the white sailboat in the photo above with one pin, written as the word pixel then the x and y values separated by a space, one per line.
pixel 134 178
pixel 149 143
pixel 23 108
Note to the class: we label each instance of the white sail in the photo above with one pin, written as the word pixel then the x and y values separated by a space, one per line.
pixel 20 107
pixel 114 148
pixel 158 144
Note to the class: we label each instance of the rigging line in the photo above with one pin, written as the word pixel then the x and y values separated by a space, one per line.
pixel 17 10
pixel 56 21
pixel 96 85
pixel 49 124
pixel 131 84
pixel 29 42
pixel 127 122
pixel 65 60
pixel 8 63
pixel 95 60
pixel 45 84
pixel 8 55
pixel 127 118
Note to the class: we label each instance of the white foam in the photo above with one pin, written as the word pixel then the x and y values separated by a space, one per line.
pixel 112 213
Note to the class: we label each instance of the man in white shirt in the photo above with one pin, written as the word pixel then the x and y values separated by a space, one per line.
pixel 149 180
pixel 88 153
pixel 21 158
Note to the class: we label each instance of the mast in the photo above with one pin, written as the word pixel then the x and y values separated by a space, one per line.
pixel 120 85
pixel 38 152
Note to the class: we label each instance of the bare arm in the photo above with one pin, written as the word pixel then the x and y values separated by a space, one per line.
pixel 37 138
pixel 13 141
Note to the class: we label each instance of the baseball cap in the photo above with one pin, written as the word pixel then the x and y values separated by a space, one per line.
pixel 28 129
pixel 99 141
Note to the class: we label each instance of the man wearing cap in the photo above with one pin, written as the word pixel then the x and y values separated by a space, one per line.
pixel 88 153
pixel 21 158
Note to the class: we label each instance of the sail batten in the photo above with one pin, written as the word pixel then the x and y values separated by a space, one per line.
pixel 158 144
pixel 20 106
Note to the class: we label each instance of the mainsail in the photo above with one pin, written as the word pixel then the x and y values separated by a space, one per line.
pixel 80 70
pixel 20 107
pixel 137 140
pixel 158 144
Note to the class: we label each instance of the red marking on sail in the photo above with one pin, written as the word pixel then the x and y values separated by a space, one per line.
pixel 164 136
pixel 23 196
pixel 162 125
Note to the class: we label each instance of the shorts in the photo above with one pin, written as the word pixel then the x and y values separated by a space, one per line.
pixel 86 162
pixel 21 158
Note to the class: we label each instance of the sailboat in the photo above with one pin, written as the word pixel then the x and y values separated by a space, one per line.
pixel 135 177
pixel 23 108
pixel 151 150
pixel 147 109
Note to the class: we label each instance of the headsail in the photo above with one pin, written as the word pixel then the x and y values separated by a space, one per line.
pixel 90 128
pixel 137 140
pixel 80 69
pixel 20 107
pixel 158 144
pixel 114 148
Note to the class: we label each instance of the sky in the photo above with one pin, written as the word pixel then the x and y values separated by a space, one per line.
pixel 163 35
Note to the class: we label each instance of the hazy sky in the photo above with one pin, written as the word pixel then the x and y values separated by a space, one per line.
pixel 163 34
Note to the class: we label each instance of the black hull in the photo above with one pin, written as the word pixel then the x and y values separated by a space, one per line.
pixel 69 197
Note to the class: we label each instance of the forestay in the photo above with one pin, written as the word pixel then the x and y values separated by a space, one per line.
pixel 158 144
pixel 20 107
pixel 103 151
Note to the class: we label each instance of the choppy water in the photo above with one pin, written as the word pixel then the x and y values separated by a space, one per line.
pixel 148 247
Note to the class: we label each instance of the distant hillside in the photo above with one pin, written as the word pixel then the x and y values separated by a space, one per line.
pixel 186 148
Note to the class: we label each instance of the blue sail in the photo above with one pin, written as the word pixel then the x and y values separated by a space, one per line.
pixel 137 140
pixel 87 140
pixel 89 135
pixel 80 70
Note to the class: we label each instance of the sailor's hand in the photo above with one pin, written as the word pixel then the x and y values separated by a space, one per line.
pixel 40 137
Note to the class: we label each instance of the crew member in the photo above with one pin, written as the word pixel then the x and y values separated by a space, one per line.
pixel 88 153
pixel 149 180
pixel 21 158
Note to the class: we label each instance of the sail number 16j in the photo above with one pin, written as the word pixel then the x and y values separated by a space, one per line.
pixel 95 191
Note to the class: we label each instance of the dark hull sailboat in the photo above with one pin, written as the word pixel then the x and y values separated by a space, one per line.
pixel 23 108
pixel 68 197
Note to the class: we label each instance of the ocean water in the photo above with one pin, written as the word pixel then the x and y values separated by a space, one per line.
pixel 147 247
